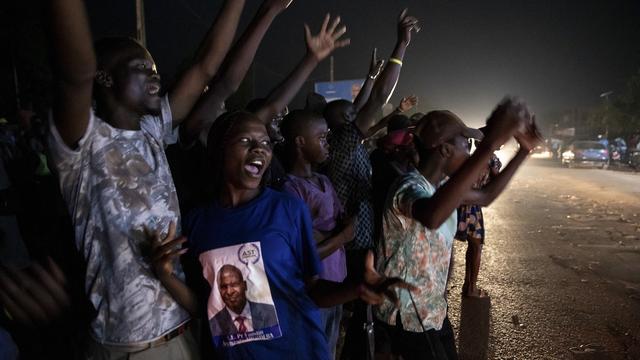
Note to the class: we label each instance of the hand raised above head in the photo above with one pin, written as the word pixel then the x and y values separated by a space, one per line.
pixel 376 288
pixel 407 103
pixel 406 25
pixel 375 68
pixel 508 118
pixel 530 137
pixel 327 40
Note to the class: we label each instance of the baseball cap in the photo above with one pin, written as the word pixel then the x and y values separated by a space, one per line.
pixel 440 126
pixel 398 122
pixel 398 131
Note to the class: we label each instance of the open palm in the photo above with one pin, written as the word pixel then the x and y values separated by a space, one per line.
pixel 327 40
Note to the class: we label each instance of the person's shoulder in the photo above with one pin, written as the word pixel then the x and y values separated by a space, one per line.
pixel 325 180
pixel 345 130
pixel 284 198
pixel 221 314
pixel 262 306
pixel 412 181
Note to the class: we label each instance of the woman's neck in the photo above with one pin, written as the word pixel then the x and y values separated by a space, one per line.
pixel 232 197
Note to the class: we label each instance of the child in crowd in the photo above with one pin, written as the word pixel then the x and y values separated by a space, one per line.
pixel 267 236
pixel 305 135
pixel 419 222
pixel 471 229
pixel 115 178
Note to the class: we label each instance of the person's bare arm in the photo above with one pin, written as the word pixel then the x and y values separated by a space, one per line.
pixel 373 290
pixel 233 70
pixel 74 66
pixel 327 244
pixel 406 104
pixel 165 253
pixel 487 194
pixel 386 82
pixel 212 51
pixel 35 296
pixel 318 48
pixel 503 124
pixel 375 67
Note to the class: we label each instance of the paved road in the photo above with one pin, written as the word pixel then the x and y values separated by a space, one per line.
pixel 562 266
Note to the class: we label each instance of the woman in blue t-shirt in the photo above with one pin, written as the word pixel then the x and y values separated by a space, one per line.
pixel 256 251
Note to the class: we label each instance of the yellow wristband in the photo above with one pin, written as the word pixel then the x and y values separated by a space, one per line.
pixel 395 61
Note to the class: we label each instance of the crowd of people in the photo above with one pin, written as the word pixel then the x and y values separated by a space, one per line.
pixel 245 237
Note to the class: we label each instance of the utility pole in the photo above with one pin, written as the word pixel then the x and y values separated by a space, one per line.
pixel 141 34
pixel 331 69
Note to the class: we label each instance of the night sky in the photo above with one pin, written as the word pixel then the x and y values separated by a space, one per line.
pixel 557 54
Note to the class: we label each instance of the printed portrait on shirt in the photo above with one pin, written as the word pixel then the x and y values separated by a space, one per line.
pixel 240 308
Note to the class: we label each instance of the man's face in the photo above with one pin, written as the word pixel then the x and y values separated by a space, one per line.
pixel 460 154
pixel 341 113
pixel 136 83
pixel 316 148
pixel 232 291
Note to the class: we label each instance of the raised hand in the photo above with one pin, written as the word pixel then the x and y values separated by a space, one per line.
pixel 278 4
pixel 34 296
pixel 327 40
pixel 531 136
pixel 376 65
pixel 165 250
pixel 406 25
pixel 376 287
pixel 407 103
pixel 511 116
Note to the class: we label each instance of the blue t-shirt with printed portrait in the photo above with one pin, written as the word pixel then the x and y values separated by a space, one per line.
pixel 269 242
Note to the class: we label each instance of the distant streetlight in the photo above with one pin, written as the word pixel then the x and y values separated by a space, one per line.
pixel 605 95
pixel 605 120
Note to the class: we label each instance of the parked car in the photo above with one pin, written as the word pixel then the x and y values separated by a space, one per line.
pixel 586 153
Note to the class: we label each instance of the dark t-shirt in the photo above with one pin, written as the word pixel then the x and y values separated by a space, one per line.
pixel 270 240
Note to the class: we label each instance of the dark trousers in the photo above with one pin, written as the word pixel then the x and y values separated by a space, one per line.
pixel 429 345
pixel 355 340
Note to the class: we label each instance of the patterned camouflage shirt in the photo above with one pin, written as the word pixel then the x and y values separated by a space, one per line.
pixel 116 183
pixel 417 255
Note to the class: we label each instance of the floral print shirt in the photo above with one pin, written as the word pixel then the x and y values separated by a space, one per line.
pixel 417 255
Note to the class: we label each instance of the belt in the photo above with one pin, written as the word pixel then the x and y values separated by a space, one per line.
pixel 144 346
pixel 174 333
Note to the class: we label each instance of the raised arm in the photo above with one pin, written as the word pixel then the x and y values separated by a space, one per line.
pixel 386 82
pixel 374 70
pixel 234 69
pixel 501 126
pixel 373 290
pixel 327 244
pixel 406 104
pixel 498 183
pixel 212 51
pixel 74 67
pixel 318 48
